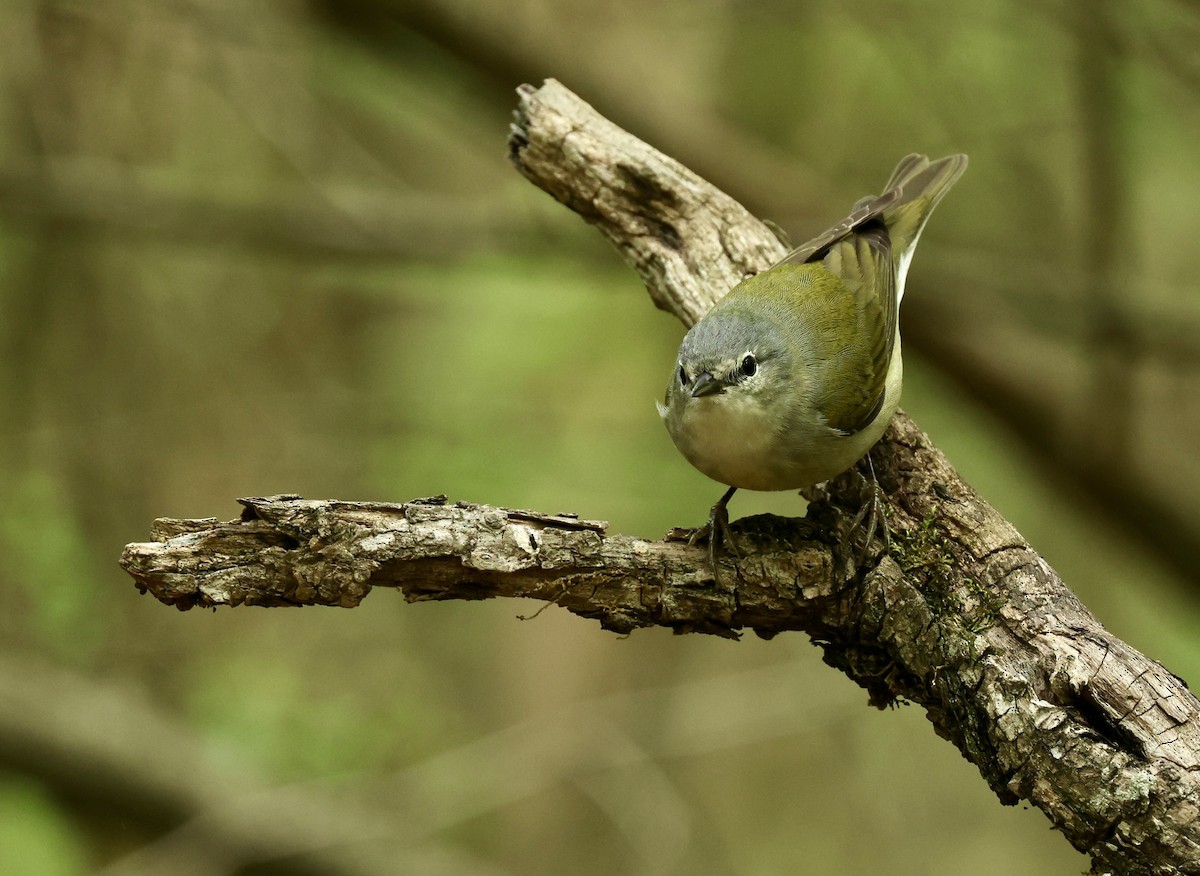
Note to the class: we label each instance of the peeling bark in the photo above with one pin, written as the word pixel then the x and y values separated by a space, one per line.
pixel 958 614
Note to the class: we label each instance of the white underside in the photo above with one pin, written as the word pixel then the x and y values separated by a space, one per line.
pixel 735 441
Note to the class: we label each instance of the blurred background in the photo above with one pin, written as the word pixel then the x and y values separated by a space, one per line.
pixel 251 248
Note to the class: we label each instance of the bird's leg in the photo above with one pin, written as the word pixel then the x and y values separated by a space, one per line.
pixel 873 510
pixel 717 531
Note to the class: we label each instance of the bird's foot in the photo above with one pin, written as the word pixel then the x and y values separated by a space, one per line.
pixel 717 533
pixel 872 516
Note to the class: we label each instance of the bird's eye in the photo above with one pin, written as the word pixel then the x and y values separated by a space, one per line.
pixel 683 381
pixel 749 365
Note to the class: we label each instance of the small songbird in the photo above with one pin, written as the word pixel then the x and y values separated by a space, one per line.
pixel 794 375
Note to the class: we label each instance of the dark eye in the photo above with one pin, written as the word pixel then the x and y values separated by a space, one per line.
pixel 749 365
pixel 683 381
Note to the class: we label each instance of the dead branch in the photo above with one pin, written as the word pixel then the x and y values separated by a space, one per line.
pixel 959 615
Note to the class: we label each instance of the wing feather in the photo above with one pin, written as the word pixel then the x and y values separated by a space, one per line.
pixel 868 252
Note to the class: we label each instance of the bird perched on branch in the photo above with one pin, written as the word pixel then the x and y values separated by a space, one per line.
pixel 793 376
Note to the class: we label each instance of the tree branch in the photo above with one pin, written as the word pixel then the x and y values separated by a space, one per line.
pixel 959 615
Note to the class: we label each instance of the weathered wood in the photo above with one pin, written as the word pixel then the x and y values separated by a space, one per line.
pixel 958 614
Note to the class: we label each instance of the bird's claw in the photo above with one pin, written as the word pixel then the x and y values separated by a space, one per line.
pixel 875 514
pixel 718 534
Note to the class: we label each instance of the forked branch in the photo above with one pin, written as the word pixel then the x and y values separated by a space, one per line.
pixel 959 615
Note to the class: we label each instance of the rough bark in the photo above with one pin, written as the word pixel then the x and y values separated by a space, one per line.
pixel 958 614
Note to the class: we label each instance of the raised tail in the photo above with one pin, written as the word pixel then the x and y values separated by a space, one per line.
pixel 919 184
pixel 904 206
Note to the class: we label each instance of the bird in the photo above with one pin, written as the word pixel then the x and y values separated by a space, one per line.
pixel 792 376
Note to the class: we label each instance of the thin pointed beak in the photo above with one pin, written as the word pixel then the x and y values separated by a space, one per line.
pixel 706 384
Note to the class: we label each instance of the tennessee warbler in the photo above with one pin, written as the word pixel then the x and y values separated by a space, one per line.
pixel 792 376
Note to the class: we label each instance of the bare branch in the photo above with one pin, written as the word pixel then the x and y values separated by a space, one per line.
pixel 960 615
pixel 689 241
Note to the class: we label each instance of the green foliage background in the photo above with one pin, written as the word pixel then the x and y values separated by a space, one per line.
pixel 252 248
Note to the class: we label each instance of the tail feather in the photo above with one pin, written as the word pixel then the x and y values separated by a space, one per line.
pixel 916 186
pixel 919 185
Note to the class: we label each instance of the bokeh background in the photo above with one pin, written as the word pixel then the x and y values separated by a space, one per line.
pixel 251 248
